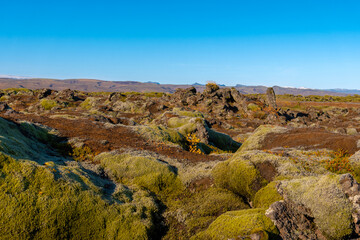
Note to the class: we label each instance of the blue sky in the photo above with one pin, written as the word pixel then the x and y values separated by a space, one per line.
pixel 303 43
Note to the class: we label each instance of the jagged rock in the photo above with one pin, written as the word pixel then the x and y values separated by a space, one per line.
pixel 115 96
pixel 352 190
pixel 4 106
pixel 293 221
pixel 211 88
pixel 271 98
pixel 66 95
pixel 183 93
pixel 44 93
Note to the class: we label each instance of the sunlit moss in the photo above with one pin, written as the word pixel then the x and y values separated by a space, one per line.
pixel 239 225
pixel 48 104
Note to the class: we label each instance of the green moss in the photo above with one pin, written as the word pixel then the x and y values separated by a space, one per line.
pixel 239 224
pixel 185 125
pixel 323 196
pixel 25 141
pixel 239 176
pixel 176 122
pixel 90 103
pixel 266 196
pixel 191 114
pixel 253 107
pixel 148 173
pixel 154 94
pixel 161 134
pixel 17 90
pixel 193 212
pixel 48 104
pixel 35 204
pixel 40 133
pixel 255 140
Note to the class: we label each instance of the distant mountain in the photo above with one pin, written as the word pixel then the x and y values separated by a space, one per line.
pixel 12 77
pixel 95 85
pixel 345 91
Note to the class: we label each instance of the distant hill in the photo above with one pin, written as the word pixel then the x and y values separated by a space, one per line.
pixel 94 85
pixel 345 91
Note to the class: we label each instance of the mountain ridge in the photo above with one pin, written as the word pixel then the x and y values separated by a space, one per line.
pixel 96 85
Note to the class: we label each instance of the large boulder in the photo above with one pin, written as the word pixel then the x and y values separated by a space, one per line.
pixel 323 207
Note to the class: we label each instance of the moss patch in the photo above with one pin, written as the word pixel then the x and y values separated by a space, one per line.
pixel 34 205
pixel 191 114
pixel 25 141
pixel 237 224
pixel 266 196
pixel 89 103
pixel 161 134
pixel 255 140
pixel 239 176
pixel 146 172
pixel 48 104
pixel 193 212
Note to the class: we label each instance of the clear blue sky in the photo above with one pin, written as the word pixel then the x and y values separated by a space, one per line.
pixel 299 43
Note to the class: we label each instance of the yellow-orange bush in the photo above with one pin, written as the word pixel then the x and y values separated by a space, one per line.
pixel 193 141
pixel 339 162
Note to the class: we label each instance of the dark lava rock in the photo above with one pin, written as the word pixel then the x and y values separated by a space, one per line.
pixel 4 106
pixel 45 93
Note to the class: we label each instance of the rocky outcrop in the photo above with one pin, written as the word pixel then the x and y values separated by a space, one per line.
pixel 324 207
pixel 4 106
pixel 66 95
pixel 271 98
pixel 45 93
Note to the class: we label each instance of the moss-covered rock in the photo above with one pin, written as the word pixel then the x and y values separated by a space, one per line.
pixel 331 210
pixel 38 203
pixel 240 225
pixel 25 141
pixel 191 114
pixel 239 176
pixel 90 103
pixel 255 140
pixel 48 104
pixel 161 134
pixel 146 172
pixel 266 196
pixel 195 211
pixel 355 165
